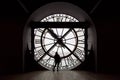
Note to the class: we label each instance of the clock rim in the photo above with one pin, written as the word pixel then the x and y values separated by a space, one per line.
pixel 27 29
pixel 68 54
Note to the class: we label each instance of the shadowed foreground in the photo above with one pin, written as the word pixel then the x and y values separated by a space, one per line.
pixel 61 75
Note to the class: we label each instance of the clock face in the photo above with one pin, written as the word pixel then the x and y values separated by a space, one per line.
pixel 68 42
pixel 59 18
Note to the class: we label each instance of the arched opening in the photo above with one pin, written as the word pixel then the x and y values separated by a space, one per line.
pixel 67 11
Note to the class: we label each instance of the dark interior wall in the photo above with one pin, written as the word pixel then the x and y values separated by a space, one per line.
pixel 107 21
pixel 108 46
pixel 10 46
pixel 105 17
pixel 12 20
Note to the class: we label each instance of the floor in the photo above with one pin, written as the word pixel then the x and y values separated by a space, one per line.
pixel 61 75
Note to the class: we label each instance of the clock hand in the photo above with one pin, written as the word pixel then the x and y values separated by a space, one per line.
pixel 66 33
pixel 59 40
pixel 52 33
pixel 72 53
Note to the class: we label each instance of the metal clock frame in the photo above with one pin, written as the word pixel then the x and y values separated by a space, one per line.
pixel 83 25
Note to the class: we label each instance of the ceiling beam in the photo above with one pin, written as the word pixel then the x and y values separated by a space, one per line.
pixel 96 5
pixel 23 6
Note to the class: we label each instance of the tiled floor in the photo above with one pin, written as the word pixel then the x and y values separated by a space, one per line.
pixel 61 75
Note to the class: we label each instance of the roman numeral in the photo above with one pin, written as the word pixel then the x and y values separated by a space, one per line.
pixel 81 41
pixel 78 52
pixel 40 30
pixel 39 53
pixel 79 30
pixel 37 41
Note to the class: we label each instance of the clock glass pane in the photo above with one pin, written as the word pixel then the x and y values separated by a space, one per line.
pixel 69 43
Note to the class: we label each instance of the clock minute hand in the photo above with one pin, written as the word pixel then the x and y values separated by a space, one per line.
pixel 52 33
pixel 59 40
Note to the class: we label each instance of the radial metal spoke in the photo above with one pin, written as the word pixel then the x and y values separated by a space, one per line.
pixel 62 32
pixel 48 38
pixel 57 48
pixel 48 44
pixel 57 32
pixel 64 55
pixel 70 44
pixel 62 51
pixel 70 38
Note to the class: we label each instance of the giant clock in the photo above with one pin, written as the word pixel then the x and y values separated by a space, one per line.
pixel 68 42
